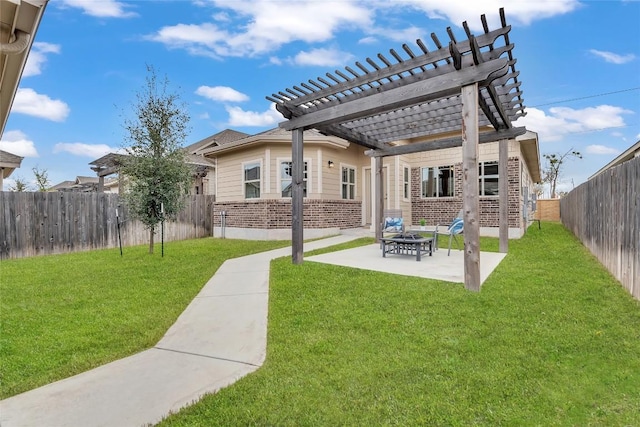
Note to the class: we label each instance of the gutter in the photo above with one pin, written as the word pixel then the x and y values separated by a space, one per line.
pixel 18 45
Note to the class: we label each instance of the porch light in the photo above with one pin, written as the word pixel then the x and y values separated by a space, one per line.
pixel 330 164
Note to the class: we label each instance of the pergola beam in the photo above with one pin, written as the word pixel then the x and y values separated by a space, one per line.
pixel 439 144
pixel 415 93
pixel 391 71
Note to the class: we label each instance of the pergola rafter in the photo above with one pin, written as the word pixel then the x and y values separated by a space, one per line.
pixel 468 85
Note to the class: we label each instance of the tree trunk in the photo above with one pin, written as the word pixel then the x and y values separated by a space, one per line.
pixel 151 233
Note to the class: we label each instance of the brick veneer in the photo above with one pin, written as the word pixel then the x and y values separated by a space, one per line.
pixel 276 213
pixel 439 210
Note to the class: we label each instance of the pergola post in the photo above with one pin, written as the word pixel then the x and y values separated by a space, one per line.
pixel 379 198
pixel 297 195
pixel 503 191
pixel 470 188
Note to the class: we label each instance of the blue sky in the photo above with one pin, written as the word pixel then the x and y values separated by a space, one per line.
pixel 579 64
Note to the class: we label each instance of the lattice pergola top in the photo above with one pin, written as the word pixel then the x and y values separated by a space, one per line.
pixel 414 95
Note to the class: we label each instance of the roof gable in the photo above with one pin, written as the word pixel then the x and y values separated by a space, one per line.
pixel 221 138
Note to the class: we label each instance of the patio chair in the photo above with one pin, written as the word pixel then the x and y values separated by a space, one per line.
pixel 392 222
pixel 454 228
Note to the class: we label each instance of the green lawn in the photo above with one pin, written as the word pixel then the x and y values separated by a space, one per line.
pixel 552 339
pixel 65 314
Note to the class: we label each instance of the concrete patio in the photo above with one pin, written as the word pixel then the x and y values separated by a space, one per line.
pixel 439 266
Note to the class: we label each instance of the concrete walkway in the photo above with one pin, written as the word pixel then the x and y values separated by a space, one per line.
pixel 219 338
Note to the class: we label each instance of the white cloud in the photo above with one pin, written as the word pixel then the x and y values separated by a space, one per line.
pixel 266 26
pixel 221 93
pixel 101 9
pixel 399 35
pixel 93 151
pixel 204 40
pixel 457 11
pixel 239 117
pixel 16 142
pixel 601 149
pixel 222 17
pixel 37 57
pixel 368 40
pixel 322 57
pixel 562 121
pixel 613 58
pixel 28 101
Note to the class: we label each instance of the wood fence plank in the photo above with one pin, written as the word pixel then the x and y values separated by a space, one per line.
pixel 36 223
pixel 604 213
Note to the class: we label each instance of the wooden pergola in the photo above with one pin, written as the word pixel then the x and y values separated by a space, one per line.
pixel 469 85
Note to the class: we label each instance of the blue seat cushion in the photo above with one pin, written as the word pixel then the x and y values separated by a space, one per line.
pixel 393 224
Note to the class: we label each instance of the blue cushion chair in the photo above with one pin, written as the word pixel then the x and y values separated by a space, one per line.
pixel 453 229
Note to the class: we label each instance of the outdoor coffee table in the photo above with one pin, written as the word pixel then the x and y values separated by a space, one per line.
pixel 407 244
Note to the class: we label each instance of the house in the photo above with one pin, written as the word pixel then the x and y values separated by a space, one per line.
pixel 252 183
pixel 19 21
pixel 82 184
pixel 630 153
pixel 205 183
pixel 8 163
pixel 109 165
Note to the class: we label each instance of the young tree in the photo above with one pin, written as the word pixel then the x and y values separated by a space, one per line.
pixel 19 185
pixel 42 178
pixel 156 169
pixel 552 171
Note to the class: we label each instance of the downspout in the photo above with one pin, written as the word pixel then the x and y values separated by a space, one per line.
pixel 18 45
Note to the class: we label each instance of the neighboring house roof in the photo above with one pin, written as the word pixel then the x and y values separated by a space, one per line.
pixel 19 21
pixel 630 153
pixel 82 180
pixel 274 135
pixel 81 183
pixel 220 138
pixel 197 160
pixel 109 164
pixel 8 163
pixel 64 185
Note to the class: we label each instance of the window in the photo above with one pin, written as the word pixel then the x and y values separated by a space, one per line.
pixel 286 179
pixel 488 178
pixel 406 187
pixel 348 183
pixel 437 181
pixel 252 180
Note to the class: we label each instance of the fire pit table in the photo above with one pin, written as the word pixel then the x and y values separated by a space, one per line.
pixel 407 244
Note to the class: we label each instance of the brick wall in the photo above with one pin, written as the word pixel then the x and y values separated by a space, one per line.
pixel 442 210
pixel 276 214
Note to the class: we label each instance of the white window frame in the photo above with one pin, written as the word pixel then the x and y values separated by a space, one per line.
pixel 406 182
pixel 482 176
pixel 307 178
pixel 243 168
pixel 436 177
pixel 352 185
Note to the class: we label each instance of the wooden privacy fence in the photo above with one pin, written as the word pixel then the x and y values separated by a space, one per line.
pixel 604 213
pixel 36 223
pixel 548 210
